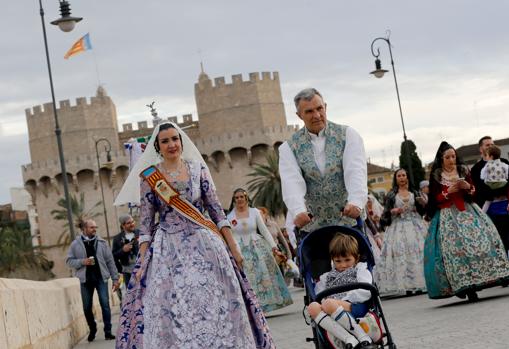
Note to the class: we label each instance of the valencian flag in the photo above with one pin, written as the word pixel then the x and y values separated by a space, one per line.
pixel 81 45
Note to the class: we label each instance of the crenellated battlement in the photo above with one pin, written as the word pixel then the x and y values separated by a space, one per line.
pixel 237 80
pixel 65 106
pixel 185 120
pixel 81 120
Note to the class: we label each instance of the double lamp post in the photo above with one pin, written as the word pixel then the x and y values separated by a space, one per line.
pixel 379 73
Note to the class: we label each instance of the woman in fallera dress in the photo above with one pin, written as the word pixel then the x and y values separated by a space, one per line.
pixel 400 268
pixel 258 247
pixel 463 252
pixel 188 290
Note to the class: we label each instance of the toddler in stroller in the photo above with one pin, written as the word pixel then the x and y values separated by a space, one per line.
pixel 338 313
pixel 356 299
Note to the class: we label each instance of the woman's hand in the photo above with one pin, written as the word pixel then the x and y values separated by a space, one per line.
pixel 278 255
pixel 378 241
pixel 226 232
pixel 453 188
pixel 237 256
pixel 138 275
pixel 463 184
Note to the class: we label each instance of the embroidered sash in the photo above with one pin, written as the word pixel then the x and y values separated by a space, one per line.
pixel 171 197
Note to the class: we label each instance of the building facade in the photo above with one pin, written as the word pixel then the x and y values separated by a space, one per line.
pixel 379 179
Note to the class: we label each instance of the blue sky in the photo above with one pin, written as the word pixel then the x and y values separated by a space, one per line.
pixel 451 62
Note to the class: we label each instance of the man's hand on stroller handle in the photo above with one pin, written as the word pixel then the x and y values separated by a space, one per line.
pixel 302 219
pixel 352 211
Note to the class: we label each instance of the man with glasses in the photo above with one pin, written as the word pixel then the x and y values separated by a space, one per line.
pixel 125 246
pixel 92 261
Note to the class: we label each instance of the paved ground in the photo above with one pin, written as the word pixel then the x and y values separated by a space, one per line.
pixel 415 322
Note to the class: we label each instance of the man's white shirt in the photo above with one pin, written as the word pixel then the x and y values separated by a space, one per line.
pixel 354 168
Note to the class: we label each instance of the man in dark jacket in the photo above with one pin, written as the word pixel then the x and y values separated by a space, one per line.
pixel 484 193
pixel 92 261
pixel 125 246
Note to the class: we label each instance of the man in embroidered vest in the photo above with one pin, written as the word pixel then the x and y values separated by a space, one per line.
pixel 323 168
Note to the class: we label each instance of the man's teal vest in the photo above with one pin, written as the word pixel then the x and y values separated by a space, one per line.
pixel 326 194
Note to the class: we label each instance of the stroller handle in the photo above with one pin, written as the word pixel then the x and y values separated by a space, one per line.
pixel 346 288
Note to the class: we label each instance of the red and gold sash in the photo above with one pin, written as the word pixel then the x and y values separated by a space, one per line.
pixel 171 197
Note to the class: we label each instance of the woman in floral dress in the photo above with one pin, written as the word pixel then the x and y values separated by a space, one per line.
pixel 400 267
pixel 463 252
pixel 257 247
pixel 188 290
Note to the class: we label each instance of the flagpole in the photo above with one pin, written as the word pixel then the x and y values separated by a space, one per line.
pixel 96 69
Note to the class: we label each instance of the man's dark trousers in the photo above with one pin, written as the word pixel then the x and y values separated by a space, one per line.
pixel 87 294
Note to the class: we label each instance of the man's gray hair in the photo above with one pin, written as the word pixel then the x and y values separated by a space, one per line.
pixel 124 218
pixel 307 94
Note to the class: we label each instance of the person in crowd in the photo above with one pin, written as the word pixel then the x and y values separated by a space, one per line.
pixel 400 268
pixel 499 208
pixel 91 259
pixel 495 173
pixel 372 223
pixel 323 168
pixel 424 192
pixel 339 314
pixel 463 252
pixel 258 248
pixel 276 232
pixel 125 246
pixel 188 290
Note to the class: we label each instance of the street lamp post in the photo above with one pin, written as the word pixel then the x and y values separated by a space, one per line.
pixel 107 148
pixel 379 73
pixel 65 23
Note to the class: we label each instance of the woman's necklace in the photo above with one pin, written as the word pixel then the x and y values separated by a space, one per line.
pixel 176 173
pixel 448 171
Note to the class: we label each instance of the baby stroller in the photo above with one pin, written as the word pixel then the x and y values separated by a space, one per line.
pixel 314 261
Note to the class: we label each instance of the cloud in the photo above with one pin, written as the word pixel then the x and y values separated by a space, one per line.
pixel 450 60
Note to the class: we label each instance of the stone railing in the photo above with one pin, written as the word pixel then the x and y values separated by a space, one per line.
pixel 44 314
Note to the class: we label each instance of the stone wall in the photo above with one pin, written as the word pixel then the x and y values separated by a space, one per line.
pixel 43 315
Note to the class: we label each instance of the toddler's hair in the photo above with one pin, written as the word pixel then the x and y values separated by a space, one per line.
pixel 343 245
pixel 493 151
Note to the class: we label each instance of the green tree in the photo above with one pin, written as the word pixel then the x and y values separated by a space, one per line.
pixel 266 185
pixel 17 253
pixel 79 213
pixel 417 169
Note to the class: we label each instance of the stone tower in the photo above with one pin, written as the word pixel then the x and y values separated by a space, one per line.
pixel 82 124
pixel 241 105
